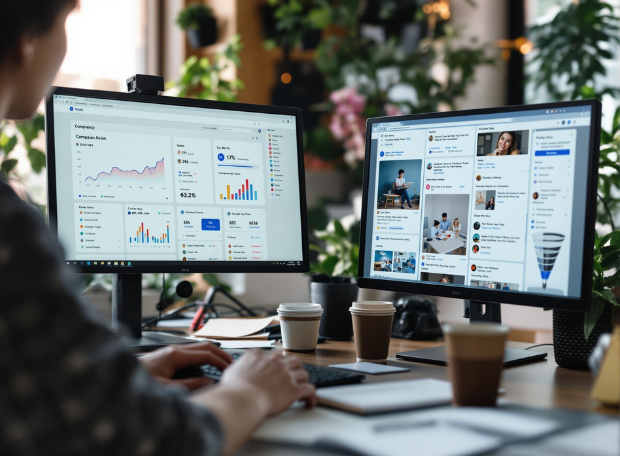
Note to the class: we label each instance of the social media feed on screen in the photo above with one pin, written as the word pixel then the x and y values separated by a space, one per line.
pixel 491 203
pixel 399 180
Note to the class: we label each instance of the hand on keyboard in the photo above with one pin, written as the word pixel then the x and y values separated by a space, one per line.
pixel 165 363
pixel 319 376
pixel 281 379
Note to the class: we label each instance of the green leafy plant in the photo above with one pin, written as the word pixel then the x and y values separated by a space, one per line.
pixel 571 48
pixel 201 77
pixel 348 58
pixel 606 258
pixel 193 16
pixel 23 133
pixel 340 256
pixel 609 171
pixel 294 19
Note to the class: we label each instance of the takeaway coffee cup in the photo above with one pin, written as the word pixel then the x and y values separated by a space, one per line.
pixel 475 362
pixel 299 322
pixel 372 329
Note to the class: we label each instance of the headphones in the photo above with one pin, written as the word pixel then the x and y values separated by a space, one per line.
pixel 416 319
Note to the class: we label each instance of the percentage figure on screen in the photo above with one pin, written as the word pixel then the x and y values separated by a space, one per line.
pixel 188 195
pixel 230 157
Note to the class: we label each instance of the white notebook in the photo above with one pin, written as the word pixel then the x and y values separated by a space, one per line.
pixel 384 397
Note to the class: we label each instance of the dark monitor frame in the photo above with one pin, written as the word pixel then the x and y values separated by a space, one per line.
pixel 180 266
pixel 486 295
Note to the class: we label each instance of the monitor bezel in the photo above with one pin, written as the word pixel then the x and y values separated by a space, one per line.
pixel 178 266
pixel 482 294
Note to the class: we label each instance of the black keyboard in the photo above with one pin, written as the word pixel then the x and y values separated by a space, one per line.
pixel 319 376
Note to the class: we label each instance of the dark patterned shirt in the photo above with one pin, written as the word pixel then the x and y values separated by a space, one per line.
pixel 67 387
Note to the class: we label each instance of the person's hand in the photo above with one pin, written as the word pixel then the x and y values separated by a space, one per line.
pixel 163 363
pixel 281 380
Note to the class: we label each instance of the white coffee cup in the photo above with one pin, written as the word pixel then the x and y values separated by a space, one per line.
pixel 299 323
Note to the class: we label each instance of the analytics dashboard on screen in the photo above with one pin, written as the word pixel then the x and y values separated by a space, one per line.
pixel 142 182
pixel 494 201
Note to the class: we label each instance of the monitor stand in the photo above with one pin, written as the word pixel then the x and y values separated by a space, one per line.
pixel 476 311
pixel 127 315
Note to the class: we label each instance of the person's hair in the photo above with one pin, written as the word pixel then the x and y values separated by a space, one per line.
pixel 456 219
pixel 444 215
pixel 513 135
pixel 436 222
pixel 492 199
pixel 33 17
pixel 401 171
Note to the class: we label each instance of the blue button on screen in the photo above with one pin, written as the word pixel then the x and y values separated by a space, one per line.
pixel 210 224
pixel 549 153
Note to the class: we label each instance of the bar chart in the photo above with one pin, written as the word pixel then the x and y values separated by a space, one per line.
pixel 245 193
pixel 149 228
pixel 239 173
pixel 144 237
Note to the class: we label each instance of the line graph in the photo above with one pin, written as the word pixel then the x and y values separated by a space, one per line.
pixel 123 166
pixel 154 174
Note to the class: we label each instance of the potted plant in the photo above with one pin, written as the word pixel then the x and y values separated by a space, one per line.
pixel 199 23
pixel 333 276
pixel 202 77
pixel 575 334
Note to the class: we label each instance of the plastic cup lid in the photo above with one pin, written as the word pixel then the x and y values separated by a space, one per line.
pixel 372 305
pixel 298 307
pixel 372 312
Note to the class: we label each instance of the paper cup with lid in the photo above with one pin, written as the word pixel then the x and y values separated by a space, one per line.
pixel 372 329
pixel 299 322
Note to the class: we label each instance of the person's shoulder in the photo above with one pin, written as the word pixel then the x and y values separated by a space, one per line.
pixel 515 152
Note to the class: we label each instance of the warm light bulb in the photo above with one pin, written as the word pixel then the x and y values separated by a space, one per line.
pixel 525 48
pixel 428 9
pixel 286 78
pixel 445 14
pixel 436 7
pixel 505 54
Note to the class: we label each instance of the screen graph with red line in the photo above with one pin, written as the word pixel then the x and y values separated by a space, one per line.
pixel 151 174
pixel 113 165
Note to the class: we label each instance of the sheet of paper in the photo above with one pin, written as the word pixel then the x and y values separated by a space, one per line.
pixel 246 344
pixel 387 396
pixel 428 440
pixel 232 327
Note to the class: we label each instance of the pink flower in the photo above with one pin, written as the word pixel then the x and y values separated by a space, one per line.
pixel 392 110
pixel 347 124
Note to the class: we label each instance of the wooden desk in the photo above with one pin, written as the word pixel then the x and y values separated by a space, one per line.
pixel 542 384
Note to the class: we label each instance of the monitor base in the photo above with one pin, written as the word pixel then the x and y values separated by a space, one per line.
pixel 438 356
pixel 150 341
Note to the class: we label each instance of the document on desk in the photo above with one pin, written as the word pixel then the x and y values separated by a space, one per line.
pixel 387 396
pixel 234 328
pixel 444 431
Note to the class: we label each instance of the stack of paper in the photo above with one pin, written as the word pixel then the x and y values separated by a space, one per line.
pixel 235 328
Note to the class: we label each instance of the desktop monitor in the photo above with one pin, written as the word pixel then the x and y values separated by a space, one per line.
pixel 490 205
pixel 143 183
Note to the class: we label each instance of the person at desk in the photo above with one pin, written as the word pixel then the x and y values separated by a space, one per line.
pixel 506 287
pixel 68 385
pixel 506 144
pixel 456 226
pixel 397 264
pixel 479 198
pixel 490 205
pixel 445 224
pixel 401 189
pixel 435 231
